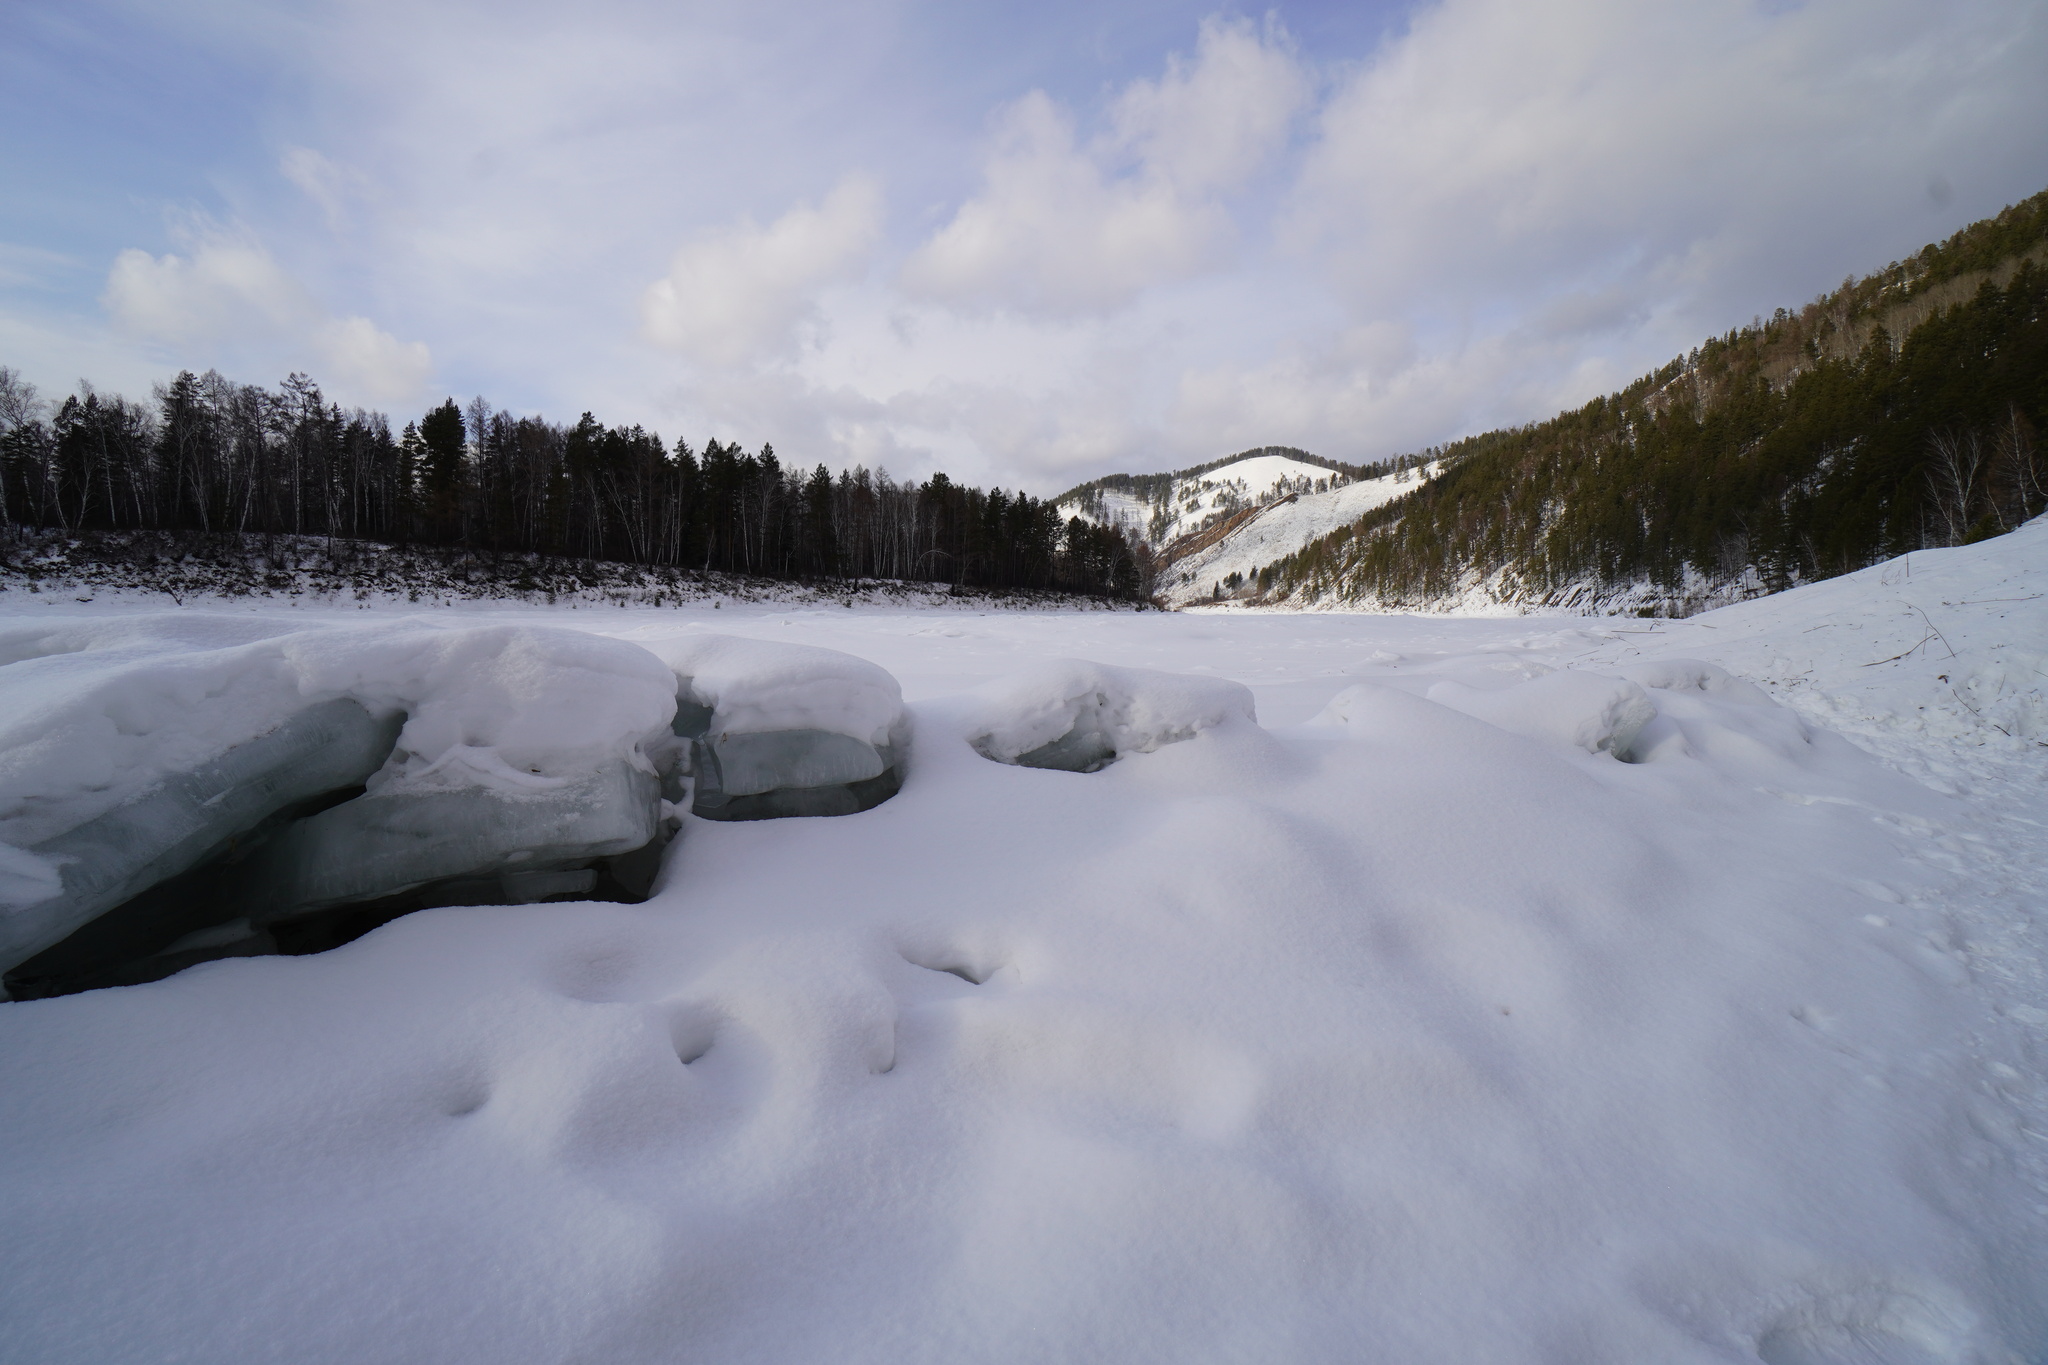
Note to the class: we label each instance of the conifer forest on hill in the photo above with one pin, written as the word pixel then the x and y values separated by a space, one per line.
pixel 1901 411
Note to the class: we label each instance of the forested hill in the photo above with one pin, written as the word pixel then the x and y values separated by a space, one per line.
pixel 1901 411
pixel 209 455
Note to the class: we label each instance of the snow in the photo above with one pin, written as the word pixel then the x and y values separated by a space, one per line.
pixel 751 686
pixel 1412 1036
pixel 1078 715
pixel 1279 531
pixel 1241 483
pixel 1584 710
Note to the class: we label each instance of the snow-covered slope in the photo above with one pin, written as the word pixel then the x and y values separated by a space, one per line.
pixel 1279 530
pixel 1405 1034
pixel 1199 500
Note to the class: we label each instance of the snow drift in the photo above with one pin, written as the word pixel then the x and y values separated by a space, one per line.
pixel 1079 716
pixel 1573 707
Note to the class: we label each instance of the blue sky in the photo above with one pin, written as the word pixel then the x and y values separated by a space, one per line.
pixel 1024 244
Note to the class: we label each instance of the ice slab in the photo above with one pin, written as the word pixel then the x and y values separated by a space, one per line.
pixel 1571 707
pixel 1079 716
pixel 385 843
pixel 157 778
pixel 780 730
pixel 187 819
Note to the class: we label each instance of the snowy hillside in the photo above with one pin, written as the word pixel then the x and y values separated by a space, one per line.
pixel 1218 569
pixel 1194 502
pixel 1419 989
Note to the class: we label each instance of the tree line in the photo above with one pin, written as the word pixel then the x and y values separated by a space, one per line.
pixel 208 454
pixel 1899 412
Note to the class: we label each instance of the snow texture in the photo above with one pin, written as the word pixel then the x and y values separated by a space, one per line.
pixel 1574 707
pixel 1401 1037
pixel 755 686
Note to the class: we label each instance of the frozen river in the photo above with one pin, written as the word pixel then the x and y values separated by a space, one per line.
pixel 1402 1025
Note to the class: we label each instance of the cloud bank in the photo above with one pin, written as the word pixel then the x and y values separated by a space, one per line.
pixel 1028 254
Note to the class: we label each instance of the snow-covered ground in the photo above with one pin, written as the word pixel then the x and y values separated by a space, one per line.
pixel 1279 531
pixel 1374 1030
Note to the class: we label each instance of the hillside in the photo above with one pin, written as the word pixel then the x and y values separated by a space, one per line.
pixel 1225 560
pixel 1899 412
pixel 1162 508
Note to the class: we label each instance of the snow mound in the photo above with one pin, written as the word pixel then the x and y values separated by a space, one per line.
pixel 1572 707
pixel 1694 675
pixel 784 730
pixel 1078 716
pixel 753 686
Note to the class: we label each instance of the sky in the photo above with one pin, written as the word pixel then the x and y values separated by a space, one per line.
pixel 1027 245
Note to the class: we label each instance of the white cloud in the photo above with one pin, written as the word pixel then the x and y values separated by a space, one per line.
pixel 328 184
pixel 734 295
pixel 1503 154
pixel 369 363
pixel 226 290
pixel 224 286
pixel 1059 228
pixel 1212 123
pixel 1499 210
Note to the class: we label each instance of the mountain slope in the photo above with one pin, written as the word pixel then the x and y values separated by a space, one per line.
pixel 1162 508
pixel 1899 412
pixel 1226 560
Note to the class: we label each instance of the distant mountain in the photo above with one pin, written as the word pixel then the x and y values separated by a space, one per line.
pixel 1161 507
pixel 1901 411
pixel 1211 527
pixel 1224 558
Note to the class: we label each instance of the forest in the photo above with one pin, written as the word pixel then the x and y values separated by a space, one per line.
pixel 1898 412
pixel 208 454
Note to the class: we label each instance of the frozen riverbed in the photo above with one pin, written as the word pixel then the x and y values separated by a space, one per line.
pixel 1383 1028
